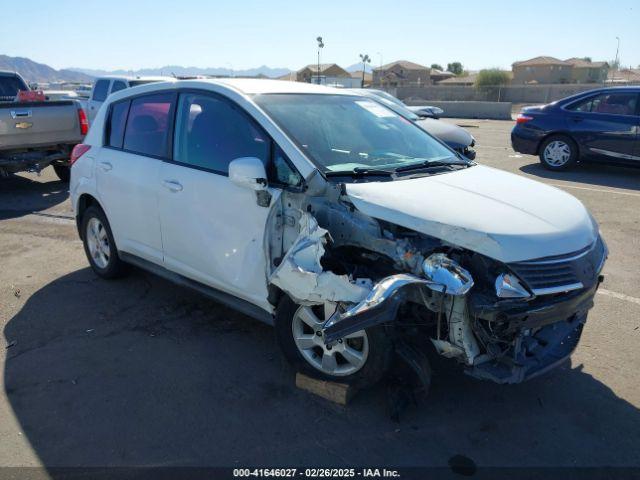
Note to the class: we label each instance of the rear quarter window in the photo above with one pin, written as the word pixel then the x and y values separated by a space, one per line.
pixel 116 124
pixel 147 126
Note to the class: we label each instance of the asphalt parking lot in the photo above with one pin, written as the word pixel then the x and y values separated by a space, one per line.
pixel 140 372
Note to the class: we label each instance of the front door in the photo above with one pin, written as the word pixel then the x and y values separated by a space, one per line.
pixel 213 230
pixel 606 124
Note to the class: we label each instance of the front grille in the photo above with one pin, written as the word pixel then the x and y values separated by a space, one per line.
pixel 563 272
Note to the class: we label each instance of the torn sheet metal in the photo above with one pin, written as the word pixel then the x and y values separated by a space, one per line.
pixel 301 275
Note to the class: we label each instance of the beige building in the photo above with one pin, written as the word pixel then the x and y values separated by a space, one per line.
pixel 547 70
pixel 401 73
pixel 541 70
pixel 588 72
pixel 330 74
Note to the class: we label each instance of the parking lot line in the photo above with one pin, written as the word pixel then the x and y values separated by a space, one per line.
pixel 619 296
pixel 603 190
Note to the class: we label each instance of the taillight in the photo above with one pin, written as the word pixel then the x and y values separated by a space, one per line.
pixel 78 151
pixel 522 118
pixel 84 121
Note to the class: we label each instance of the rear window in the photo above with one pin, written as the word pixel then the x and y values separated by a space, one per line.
pixel 147 129
pixel 9 87
pixel 100 90
pixel 117 122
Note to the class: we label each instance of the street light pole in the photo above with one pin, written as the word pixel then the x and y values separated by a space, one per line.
pixel 320 46
pixel 617 50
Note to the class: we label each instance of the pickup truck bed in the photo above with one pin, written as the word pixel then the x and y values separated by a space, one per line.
pixel 34 135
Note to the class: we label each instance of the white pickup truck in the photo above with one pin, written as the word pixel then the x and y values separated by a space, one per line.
pixel 36 134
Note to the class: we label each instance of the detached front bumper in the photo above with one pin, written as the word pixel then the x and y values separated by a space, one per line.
pixel 542 336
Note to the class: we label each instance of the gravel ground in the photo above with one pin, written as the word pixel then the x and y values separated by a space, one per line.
pixel 140 372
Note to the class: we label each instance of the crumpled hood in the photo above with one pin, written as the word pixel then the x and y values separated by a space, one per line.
pixel 452 135
pixel 504 216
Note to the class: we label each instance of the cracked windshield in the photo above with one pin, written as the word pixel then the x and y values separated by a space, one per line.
pixel 348 134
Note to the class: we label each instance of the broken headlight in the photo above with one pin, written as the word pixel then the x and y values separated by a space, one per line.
pixel 508 286
pixel 447 274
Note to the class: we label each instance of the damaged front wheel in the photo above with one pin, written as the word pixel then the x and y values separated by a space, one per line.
pixel 359 359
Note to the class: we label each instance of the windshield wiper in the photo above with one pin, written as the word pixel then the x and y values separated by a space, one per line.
pixel 359 172
pixel 431 164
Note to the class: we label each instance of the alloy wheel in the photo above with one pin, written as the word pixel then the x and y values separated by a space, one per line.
pixel 341 358
pixel 98 242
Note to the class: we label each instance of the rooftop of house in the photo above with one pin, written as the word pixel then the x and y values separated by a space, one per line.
pixel 407 65
pixel 582 63
pixel 540 61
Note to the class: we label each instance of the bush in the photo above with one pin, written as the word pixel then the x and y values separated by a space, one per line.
pixel 492 77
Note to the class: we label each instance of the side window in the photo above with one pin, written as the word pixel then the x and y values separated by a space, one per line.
pixel 210 133
pixel 100 90
pixel 618 103
pixel 117 122
pixel 147 129
pixel 281 172
pixel 118 85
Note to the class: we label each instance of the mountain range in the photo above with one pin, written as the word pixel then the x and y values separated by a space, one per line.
pixel 179 70
pixel 39 72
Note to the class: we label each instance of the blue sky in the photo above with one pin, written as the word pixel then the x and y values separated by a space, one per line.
pixel 248 33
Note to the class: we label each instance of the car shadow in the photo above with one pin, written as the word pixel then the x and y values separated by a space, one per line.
pixel 21 196
pixel 141 372
pixel 591 174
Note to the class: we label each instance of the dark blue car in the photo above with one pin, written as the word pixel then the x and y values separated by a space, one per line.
pixel 600 125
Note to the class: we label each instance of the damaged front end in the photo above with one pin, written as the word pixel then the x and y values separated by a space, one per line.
pixel 499 320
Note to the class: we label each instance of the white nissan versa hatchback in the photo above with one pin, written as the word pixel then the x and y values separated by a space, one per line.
pixel 354 232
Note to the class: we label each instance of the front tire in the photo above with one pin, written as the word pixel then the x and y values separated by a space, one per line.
pixel 360 359
pixel 99 245
pixel 558 152
pixel 63 172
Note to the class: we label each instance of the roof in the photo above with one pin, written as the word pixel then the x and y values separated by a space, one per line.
pixel 540 61
pixel 255 86
pixel 323 67
pixel 358 74
pixel 156 78
pixel 466 80
pixel 407 65
pixel 582 63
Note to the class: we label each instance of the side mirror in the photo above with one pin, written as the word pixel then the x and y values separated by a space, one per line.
pixel 248 172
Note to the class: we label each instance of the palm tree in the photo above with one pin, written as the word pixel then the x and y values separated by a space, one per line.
pixel 364 58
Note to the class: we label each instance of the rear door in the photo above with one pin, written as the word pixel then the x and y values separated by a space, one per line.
pixel 605 124
pixel 128 169
pixel 213 230
pixel 98 96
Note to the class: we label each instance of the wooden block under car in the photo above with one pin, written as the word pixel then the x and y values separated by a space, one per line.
pixel 339 393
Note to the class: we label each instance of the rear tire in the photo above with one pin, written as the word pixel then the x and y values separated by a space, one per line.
pixel 63 172
pixel 100 246
pixel 558 152
pixel 367 354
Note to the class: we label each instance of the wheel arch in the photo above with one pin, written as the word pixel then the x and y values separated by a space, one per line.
pixel 85 201
pixel 563 133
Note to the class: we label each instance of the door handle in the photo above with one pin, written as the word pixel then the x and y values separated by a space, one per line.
pixel 172 185
pixel 576 119
pixel 105 166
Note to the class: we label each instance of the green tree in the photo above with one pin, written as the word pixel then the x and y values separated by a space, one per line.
pixel 436 66
pixel 455 67
pixel 586 59
pixel 492 77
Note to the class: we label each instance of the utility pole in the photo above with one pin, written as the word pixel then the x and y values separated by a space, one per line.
pixel 617 61
pixel 320 47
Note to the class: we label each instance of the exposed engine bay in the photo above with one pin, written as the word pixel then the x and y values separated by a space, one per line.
pixel 501 321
